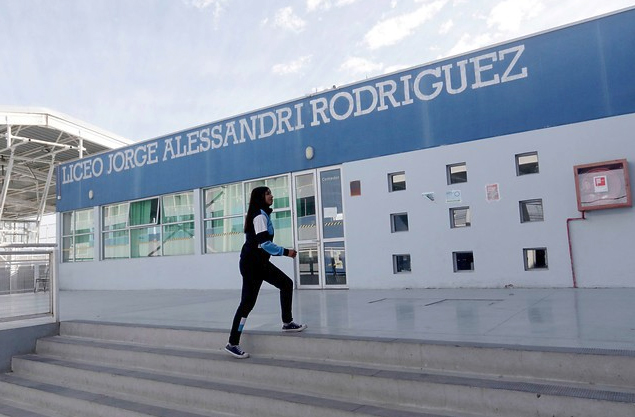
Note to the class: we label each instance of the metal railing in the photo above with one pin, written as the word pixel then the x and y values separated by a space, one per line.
pixel 28 282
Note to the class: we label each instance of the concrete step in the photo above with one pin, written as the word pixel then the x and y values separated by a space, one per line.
pixel 365 383
pixel 106 369
pixel 197 393
pixel 10 408
pixel 581 365
pixel 59 400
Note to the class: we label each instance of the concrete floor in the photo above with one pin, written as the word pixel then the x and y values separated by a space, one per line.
pixel 576 318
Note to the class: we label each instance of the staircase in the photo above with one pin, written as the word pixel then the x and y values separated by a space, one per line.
pixel 120 370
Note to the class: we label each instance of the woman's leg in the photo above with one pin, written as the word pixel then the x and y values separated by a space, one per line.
pixel 251 286
pixel 280 280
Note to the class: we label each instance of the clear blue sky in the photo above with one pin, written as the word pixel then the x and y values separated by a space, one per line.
pixel 146 68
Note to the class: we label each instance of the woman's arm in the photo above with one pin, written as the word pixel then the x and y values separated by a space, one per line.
pixel 263 238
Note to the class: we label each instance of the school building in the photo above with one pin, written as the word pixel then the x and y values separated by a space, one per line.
pixel 505 166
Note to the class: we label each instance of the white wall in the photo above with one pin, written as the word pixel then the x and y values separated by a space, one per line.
pixel 218 271
pixel 47 231
pixel 602 244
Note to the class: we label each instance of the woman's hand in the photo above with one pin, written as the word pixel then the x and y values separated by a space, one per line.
pixel 292 253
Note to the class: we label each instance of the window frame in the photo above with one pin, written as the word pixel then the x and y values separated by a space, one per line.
pixel 281 212
pixel 524 203
pixel 187 222
pixel 468 217
pixel 526 261
pixel 396 263
pixel 72 235
pixel 284 235
pixel 456 263
pixel 154 229
pixel 393 225
pixel 392 184
pixel 519 171
pixel 209 218
pixel 451 176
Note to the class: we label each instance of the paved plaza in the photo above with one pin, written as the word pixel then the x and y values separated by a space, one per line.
pixel 578 318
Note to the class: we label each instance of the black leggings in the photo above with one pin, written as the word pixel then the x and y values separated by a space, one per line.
pixel 254 273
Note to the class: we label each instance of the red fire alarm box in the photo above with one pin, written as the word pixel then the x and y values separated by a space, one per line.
pixel 603 185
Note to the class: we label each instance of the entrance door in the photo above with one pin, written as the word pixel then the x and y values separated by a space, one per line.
pixel 319 222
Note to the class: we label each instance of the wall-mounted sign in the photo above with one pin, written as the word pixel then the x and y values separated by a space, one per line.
pixel 602 185
pixel 453 196
pixel 492 193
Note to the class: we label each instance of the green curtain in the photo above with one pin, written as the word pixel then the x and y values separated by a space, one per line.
pixel 144 212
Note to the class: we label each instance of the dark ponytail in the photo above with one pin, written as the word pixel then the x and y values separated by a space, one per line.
pixel 257 202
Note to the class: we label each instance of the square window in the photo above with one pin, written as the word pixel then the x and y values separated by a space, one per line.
pixel 460 217
pixel 399 222
pixel 463 261
pixel 527 163
pixel 457 173
pixel 535 258
pixel 531 211
pixel 397 181
pixel 401 264
pixel 356 188
pixel 144 212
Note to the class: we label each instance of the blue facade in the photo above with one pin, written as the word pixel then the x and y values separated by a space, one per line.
pixel 513 87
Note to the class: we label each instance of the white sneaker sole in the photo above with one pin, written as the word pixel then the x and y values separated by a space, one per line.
pixel 299 329
pixel 245 356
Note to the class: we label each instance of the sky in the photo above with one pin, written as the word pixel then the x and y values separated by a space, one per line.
pixel 147 68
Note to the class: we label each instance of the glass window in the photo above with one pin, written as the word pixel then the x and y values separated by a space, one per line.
pixel 305 206
pixel 156 226
pixel 397 181
pixel 84 247
pixel 68 226
pixel 177 208
pixel 115 217
pixel 224 235
pixel 401 263
pixel 116 236
pixel 177 218
pixel 463 261
pixel 145 241
pixel 456 173
pixel 531 211
pixel 335 263
pixel 279 187
pixel 535 258
pixel 308 265
pixel 225 200
pixel 116 244
pixel 460 217
pixel 356 188
pixel 399 222
pixel 224 218
pixel 527 163
pixel 332 209
pixel 283 227
pixel 144 212
pixel 77 236
pixel 225 209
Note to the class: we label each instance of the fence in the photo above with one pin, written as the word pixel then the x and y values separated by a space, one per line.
pixel 28 282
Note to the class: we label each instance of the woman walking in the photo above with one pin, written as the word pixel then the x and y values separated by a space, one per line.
pixel 255 268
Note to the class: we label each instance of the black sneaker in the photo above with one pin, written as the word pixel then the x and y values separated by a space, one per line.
pixel 236 351
pixel 293 327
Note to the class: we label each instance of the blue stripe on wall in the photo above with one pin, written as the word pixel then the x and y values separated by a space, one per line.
pixel 577 73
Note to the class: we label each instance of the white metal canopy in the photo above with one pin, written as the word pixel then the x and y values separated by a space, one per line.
pixel 32 142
